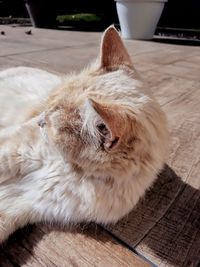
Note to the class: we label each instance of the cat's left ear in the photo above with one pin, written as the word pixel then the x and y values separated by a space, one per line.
pixel 113 54
pixel 105 123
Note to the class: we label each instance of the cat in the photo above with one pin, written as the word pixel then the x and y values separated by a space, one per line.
pixel 81 148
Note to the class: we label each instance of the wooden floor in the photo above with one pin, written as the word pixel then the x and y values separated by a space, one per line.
pixel 165 226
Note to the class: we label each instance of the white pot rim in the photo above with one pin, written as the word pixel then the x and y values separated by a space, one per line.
pixel 161 1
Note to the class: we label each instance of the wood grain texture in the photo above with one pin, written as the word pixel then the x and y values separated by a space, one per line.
pixel 80 246
pixel 165 225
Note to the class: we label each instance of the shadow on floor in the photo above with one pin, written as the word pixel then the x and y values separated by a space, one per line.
pixel 167 221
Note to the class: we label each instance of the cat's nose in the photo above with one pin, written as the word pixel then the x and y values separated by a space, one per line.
pixel 42 122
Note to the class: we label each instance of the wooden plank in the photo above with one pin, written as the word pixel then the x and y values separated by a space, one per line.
pixel 167 88
pixel 6 62
pixel 63 60
pixel 185 144
pixel 192 65
pixel 164 54
pixel 170 241
pixel 47 246
pixel 15 41
pixel 180 71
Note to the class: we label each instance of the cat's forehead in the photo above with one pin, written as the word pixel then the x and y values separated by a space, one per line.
pixel 89 80
pixel 114 82
pixel 77 88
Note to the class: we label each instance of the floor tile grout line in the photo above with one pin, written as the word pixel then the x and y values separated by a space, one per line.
pixel 43 50
pixel 181 189
pixel 126 245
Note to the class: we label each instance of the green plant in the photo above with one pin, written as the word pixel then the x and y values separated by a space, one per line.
pixel 81 17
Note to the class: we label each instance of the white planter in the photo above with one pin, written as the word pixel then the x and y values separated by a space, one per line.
pixel 138 18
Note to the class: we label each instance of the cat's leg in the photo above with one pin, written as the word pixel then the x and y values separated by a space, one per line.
pixel 15 212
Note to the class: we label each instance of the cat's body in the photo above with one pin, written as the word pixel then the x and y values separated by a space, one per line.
pixel 100 142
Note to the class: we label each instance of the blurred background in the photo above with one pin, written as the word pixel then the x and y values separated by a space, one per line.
pixel 180 18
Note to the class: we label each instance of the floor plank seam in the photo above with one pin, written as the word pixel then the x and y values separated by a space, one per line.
pixel 181 189
pixel 198 264
pixel 36 51
pixel 177 97
pixel 180 230
pixel 126 245
pixel 159 70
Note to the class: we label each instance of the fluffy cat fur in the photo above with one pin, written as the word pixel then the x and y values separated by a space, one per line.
pixel 78 148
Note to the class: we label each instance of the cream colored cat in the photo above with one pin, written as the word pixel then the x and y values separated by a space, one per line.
pixel 81 148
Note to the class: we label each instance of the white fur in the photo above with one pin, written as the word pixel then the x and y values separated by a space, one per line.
pixel 22 88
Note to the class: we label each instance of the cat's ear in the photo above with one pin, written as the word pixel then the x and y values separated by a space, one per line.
pixel 104 123
pixel 113 54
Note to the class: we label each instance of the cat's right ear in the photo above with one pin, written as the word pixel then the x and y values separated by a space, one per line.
pixel 113 54
pixel 104 123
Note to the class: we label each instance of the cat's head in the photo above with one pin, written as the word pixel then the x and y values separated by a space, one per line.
pixel 101 119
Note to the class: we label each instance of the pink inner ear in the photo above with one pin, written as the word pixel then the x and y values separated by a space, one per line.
pixel 109 142
pixel 103 130
pixel 113 51
pixel 110 123
pixel 110 117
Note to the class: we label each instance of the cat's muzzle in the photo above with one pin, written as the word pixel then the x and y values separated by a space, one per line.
pixel 42 121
